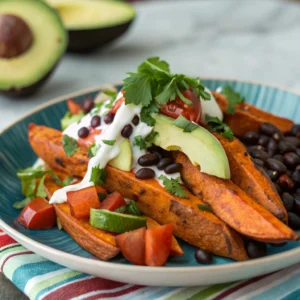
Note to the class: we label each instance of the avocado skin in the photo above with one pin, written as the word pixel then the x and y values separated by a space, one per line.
pixel 89 40
pixel 28 90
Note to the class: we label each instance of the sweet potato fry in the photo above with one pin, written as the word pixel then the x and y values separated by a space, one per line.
pixel 250 179
pixel 200 228
pixel 234 206
pixel 96 241
pixel 249 118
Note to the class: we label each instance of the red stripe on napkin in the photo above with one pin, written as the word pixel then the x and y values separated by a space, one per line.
pixel 6 240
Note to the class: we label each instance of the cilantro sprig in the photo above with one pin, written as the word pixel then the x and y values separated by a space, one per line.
pixel 233 98
pixel 204 207
pixel 98 176
pixel 153 85
pixel 109 142
pixel 173 186
pixel 216 125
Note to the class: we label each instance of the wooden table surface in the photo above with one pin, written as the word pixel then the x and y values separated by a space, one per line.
pixel 8 291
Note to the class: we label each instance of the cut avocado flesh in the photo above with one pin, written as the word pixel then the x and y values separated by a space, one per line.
pixel 92 24
pixel 201 147
pixel 49 44
pixel 91 14
pixel 124 159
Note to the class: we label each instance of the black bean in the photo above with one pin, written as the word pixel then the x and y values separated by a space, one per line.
pixel 173 168
pixel 278 188
pixel 164 162
pixel 258 162
pixel 295 129
pixel 296 178
pixel 288 201
pixel 278 245
pixel 276 165
pixel 297 168
pixel 278 157
pixel 297 205
pixel 277 136
pixel 297 192
pixel 254 148
pixel 83 132
pixel 127 131
pixel 273 175
pixel 256 249
pixel 109 118
pixel 260 154
pixel 88 105
pixel 251 137
pixel 285 147
pixel 291 159
pixel 268 129
pixel 272 147
pixel 298 151
pixel 149 159
pixel 294 221
pixel 136 120
pixel 203 257
pixel 292 140
pixel 96 121
pixel 145 173
pixel 263 140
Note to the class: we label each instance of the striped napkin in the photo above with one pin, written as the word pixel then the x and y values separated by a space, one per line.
pixel 40 278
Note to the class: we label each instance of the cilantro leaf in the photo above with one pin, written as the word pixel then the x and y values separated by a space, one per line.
pixel 133 209
pixel 216 125
pixel 41 192
pixel 185 124
pixel 67 181
pixel 111 93
pixel 161 64
pixel 109 142
pixel 121 209
pixel 146 113
pixel 204 207
pixel 173 186
pixel 168 93
pixel 92 150
pixel 98 176
pixel 233 98
pixel 147 142
pixel 70 145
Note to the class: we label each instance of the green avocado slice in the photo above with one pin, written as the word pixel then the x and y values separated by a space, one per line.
pixel 91 14
pixel 49 44
pixel 201 147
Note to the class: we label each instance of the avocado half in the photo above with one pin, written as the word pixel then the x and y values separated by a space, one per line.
pixel 92 24
pixel 34 39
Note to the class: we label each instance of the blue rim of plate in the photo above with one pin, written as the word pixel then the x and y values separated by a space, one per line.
pixel 40 247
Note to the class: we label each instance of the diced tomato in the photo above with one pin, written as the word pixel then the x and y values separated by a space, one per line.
pixel 90 139
pixel 117 105
pixel 82 201
pixel 177 107
pixel 73 107
pixel 38 214
pixel 132 245
pixel 113 201
pixel 158 245
pixel 100 189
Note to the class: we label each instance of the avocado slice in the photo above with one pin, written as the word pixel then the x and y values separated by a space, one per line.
pixel 22 72
pixel 124 159
pixel 92 24
pixel 201 147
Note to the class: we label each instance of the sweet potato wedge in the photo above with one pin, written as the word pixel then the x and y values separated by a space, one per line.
pixel 176 250
pixel 250 179
pixel 249 118
pixel 234 206
pixel 96 241
pixel 200 228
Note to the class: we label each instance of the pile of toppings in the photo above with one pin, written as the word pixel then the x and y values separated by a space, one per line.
pixel 277 155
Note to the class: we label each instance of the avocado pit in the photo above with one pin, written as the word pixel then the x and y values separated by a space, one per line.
pixel 15 36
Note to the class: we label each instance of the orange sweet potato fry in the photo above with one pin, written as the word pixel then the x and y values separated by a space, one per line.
pixel 234 206
pixel 249 118
pixel 176 250
pixel 200 228
pixel 250 179
pixel 73 107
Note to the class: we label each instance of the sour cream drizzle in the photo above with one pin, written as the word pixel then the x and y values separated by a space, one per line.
pixel 112 131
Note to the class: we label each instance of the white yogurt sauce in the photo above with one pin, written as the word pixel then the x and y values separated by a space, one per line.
pixel 210 108
pixel 112 131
